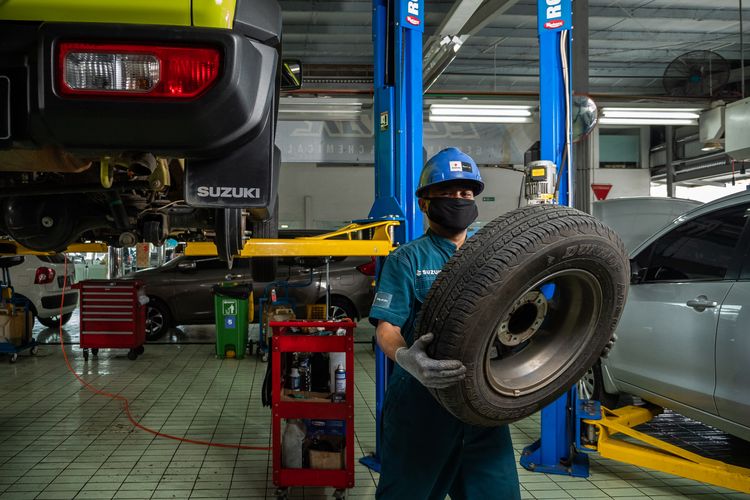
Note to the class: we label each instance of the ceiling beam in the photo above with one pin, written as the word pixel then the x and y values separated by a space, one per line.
pixel 465 18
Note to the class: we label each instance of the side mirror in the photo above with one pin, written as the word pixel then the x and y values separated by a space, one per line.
pixel 186 266
pixel 291 74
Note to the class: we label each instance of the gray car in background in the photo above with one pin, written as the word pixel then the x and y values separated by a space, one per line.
pixel 634 219
pixel 180 290
pixel 684 336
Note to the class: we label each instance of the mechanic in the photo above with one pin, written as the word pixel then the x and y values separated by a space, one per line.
pixel 427 453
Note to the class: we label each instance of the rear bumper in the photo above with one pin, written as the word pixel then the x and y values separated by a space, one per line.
pixel 50 304
pixel 234 111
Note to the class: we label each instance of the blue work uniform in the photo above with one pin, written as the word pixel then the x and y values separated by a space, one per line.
pixel 427 453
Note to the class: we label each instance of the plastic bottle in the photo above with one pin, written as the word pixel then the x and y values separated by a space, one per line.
pixel 340 380
pixel 294 379
pixel 291 444
pixel 335 359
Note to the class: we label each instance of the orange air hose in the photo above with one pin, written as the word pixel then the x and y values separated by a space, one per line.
pixel 125 401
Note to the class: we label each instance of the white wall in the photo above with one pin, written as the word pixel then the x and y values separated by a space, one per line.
pixel 341 194
pixel 625 181
pixel 505 186
pixel 338 194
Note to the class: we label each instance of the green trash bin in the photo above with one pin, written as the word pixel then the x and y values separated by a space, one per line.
pixel 231 306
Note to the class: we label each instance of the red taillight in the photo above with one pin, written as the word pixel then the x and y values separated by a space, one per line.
pixel 127 70
pixel 367 269
pixel 44 275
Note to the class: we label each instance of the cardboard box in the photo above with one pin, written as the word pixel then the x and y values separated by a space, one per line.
pixel 328 460
pixel 326 452
pixel 12 327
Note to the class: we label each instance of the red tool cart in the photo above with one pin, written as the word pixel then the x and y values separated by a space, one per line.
pixel 323 468
pixel 111 316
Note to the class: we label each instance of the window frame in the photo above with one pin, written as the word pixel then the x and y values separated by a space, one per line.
pixel 739 259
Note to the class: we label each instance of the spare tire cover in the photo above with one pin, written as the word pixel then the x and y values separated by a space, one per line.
pixel 527 304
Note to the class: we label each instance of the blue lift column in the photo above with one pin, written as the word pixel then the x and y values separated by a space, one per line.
pixel 397 27
pixel 555 452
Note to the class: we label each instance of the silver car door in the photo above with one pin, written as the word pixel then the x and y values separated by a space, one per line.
pixel 733 354
pixel 667 333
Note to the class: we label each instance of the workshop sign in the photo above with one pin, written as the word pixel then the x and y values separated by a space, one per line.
pixel 554 15
pixel 352 142
pixel 412 14
pixel 229 312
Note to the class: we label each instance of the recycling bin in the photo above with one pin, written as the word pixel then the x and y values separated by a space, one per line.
pixel 231 307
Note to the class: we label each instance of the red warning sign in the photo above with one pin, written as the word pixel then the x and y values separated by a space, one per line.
pixel 601 190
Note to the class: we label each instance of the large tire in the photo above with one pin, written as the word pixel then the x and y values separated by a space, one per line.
pixel 527 305
pixel 158 319
pixel 264 269
pixel 229 228
pixel 54 321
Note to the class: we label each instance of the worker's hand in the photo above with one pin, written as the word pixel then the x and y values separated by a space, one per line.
pixel 432 373
pixel 608 348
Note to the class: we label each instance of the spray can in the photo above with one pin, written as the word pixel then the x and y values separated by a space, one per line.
pixel 340 380
pixel 294 379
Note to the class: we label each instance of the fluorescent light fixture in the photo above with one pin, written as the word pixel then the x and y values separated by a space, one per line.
pixel 319 109
pixel 650 116
pixel 480 119
pixel 644 121
pixel 480 113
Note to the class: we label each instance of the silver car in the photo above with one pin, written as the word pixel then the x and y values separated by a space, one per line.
pixel 684 336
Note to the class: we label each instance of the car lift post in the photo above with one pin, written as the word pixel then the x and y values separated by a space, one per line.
pixel 397 27
pixel 554 452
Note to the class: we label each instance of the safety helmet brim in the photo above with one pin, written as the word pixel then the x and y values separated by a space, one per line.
pixel 476 186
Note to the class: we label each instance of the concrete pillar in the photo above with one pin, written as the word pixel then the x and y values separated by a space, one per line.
pixel 114 262
pixel 669 148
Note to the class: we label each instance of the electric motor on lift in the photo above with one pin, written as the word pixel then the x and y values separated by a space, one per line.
pixel 541 179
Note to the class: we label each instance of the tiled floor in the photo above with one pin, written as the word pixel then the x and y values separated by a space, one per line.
pixel 59 441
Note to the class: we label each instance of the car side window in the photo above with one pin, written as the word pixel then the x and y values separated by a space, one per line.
pixel 699 249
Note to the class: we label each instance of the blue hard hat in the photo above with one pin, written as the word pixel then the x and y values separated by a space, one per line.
pixel 448 165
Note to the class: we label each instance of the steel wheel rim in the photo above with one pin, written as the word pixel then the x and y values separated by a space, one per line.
pixel 586 385
pixel 154 321
pixel 337 312
pixel 570 322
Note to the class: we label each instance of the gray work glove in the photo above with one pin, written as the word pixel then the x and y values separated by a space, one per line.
pixel 432 373
pixel 608 348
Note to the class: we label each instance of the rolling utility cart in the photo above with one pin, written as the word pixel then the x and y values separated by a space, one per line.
pixel 112 317
pixel 323 459
pixel 16 319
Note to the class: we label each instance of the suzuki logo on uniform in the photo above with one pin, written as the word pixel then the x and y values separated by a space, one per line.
pixel 554 10
pixel 227 192
pixel 412 8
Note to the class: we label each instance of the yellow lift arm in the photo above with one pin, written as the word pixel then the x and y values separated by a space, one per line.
pixel 654 453
pixel 324 245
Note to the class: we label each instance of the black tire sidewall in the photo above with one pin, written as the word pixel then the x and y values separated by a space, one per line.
pixel 52 323
pixel 158 305
pixel 473 400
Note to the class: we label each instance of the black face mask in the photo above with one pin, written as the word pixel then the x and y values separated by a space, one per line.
pixel 455 214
